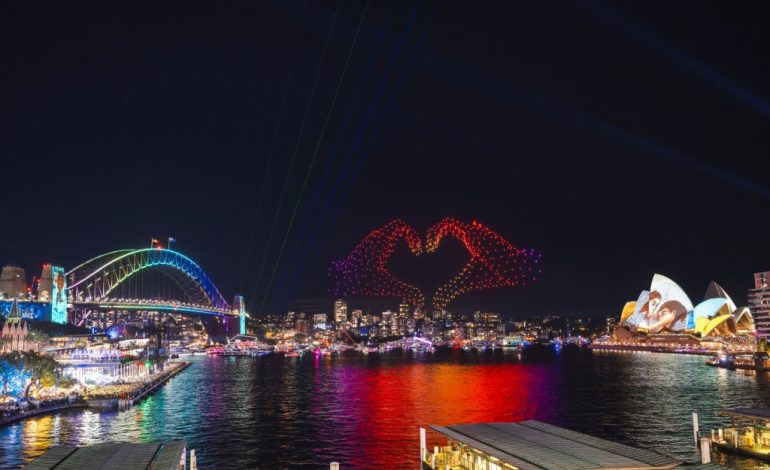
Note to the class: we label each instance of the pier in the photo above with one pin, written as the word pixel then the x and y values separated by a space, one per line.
pixel 135 394
pixel 748 435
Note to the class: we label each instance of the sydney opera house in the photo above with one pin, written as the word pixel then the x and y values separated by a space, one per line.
pixel 665 317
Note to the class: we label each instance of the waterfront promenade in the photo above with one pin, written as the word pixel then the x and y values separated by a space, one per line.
pixel 103 397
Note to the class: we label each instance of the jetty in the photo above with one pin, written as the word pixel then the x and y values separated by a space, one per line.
pixel 111 399
pixel 748 435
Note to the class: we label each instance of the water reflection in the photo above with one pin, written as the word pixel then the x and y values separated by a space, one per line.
pixel 279 412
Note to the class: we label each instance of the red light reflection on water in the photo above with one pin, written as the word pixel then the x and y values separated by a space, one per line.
pixel 388 405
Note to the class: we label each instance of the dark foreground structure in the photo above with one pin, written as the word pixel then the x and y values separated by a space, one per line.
pixel 116 456
pixel 533 445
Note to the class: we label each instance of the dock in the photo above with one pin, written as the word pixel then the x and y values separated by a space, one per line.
pixel 140 392
pixel 748 435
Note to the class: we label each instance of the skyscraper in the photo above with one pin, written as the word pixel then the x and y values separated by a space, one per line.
pixel 357 317
pixel 340 312
pixel 403 310
pixel 759 304
pixel 13 282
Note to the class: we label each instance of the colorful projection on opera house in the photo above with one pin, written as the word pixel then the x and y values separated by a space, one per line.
pixel 666 307
pixel 493 262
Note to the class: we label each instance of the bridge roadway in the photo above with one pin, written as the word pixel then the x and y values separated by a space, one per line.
pixel 151 306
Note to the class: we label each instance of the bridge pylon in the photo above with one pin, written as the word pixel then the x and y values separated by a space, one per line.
pixel 239 308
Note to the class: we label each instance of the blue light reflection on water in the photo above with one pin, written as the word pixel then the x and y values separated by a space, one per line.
pixel 278 412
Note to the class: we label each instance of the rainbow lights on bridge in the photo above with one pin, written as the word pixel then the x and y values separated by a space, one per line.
pixel 93 283
pixel 116 282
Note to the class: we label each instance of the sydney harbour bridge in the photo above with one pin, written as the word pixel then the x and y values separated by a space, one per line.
pixel 149 280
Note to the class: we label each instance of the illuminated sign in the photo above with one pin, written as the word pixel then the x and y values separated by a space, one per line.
pixel 27 310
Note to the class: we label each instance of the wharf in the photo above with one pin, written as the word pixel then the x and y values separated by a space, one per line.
pixel 748 435
pixel 140 392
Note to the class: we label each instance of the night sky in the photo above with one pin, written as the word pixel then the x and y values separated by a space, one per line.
pixel 617 139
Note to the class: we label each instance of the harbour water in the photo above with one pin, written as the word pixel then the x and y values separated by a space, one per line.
pixel 364 411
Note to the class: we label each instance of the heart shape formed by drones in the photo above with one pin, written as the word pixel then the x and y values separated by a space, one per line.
pixel 493 262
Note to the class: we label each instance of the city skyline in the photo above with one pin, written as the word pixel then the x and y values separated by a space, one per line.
pixel 215 132
pixel 345 234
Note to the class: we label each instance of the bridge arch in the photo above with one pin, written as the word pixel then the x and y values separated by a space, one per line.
pixel 96 278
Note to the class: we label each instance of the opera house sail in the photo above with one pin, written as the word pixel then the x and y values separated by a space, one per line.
pixel 665 317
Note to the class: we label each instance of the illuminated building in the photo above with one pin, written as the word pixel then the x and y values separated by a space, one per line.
pixel 340 312
pixel 357 316
pixel 418 314
pixel 387 317
pixel 759 303
pixel 319 319
pixel 665 315
pixel 302 327
pixel 14 332
pixel 13 282
pixel 666 307
pixel 371 319
pixel 403 310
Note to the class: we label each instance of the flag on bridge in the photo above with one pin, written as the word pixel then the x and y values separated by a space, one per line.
pixel 154 242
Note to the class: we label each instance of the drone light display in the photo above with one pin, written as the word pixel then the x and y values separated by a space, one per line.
pixel 364 271
pixel 494 262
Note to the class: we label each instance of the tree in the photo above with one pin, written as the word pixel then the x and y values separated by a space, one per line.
pixel 41 369
pixel 14 377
